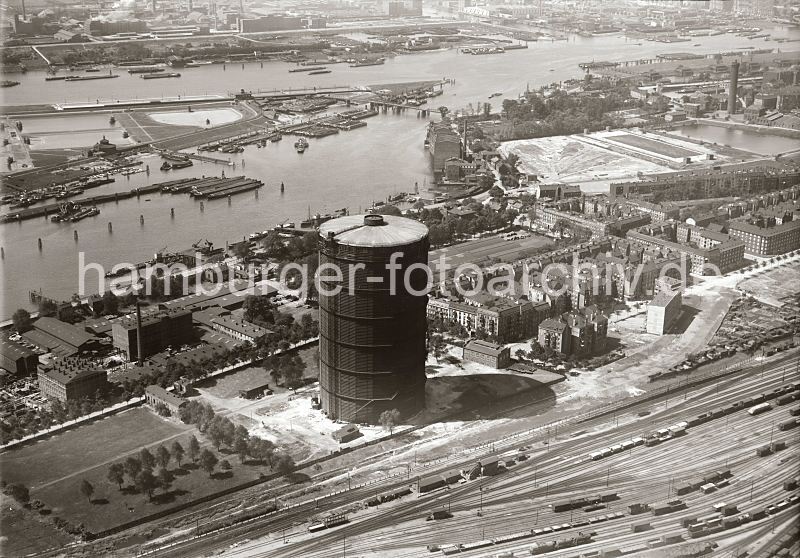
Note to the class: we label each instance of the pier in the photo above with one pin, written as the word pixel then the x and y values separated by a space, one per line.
pixel 397 107
pixel 173 186
pixel 196 156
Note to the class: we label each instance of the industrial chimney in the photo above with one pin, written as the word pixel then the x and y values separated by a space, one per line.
pixel 139 353
pixel 733 87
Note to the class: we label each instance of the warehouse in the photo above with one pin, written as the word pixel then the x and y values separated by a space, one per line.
pixel 17 359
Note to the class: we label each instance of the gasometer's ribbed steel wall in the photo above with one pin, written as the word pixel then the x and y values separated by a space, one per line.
pixel 372 341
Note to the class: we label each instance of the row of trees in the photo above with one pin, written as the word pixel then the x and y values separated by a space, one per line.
pixel 445 229
pixel 562 113
pixel 15 427
pixel 149 471
pixel 223 432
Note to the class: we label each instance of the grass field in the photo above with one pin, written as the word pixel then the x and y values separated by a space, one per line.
pixel 24 533
pixel 54 458
pixel 54 469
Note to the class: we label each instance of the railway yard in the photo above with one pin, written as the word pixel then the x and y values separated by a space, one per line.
pixel 675 475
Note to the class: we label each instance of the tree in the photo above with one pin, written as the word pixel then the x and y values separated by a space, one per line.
pixel 437 346
pixel 177 452
pixel 147 459
pixel 87 489
pixel 116 474
pixel 225 465
pixel 208 461
pixel 110 303
pixel 163 456
pixel 22 320
pixel 241 447
pixel 284 464
pixel 47 307
pixel 194 448
pixel 389 209
pixel 146 482
pixel 164 479
pixel 132 468
pixel 19 492
pixel 389 419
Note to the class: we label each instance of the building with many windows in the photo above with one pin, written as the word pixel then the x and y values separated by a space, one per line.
pixel 762 238
pixel 72 378
pixel 487 353
pixel 501 318
pixel 239 329
pixel 159 331
pixel 158 396
pixel 17 359
pixel 580 333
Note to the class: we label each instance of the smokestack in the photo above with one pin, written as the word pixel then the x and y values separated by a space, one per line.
pixel 734 85
pixel 139 357
pixel 464 147
pixel 24 15
pixel 241 6
pixel 190 5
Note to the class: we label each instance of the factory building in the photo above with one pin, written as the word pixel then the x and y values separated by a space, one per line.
pixel 72 378
pixel 373 331
pixel 17 358
pixel 159 331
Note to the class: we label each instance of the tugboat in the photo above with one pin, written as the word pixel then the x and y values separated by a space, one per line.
pixel 165 166
pixel 301 145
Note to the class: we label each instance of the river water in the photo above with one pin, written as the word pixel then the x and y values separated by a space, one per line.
pixel 350 169
pixel 749 140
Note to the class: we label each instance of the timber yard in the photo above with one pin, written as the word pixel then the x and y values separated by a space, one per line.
pixel 595 349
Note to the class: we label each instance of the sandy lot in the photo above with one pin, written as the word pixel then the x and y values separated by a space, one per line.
pixel 198 117
pixel 568 159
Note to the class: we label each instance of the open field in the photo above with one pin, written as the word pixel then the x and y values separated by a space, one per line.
pixel 25 532
pixel 486 250
pixel 659 147
pixel 774 287
pixel 568 159
pixel 53 469
pixel 54 459
pixel 197 118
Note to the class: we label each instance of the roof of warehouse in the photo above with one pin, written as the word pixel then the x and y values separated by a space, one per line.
pixel 63 331
pixel 393 231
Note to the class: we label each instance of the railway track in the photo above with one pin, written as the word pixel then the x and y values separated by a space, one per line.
pixel 528 488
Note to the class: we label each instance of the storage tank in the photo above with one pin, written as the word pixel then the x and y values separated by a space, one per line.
pixel 372 336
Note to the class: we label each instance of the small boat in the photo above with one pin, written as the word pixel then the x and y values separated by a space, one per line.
pixel 87 78
pixel 55 78
pixel 275 138
pixel 317 72
pixel 8 83
pixel 306 69
pixel 160 76
pixel 698 44
pixel 301 145
pixel 92 70
pixel 494 95
pixel 165 166
pixel 368 62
